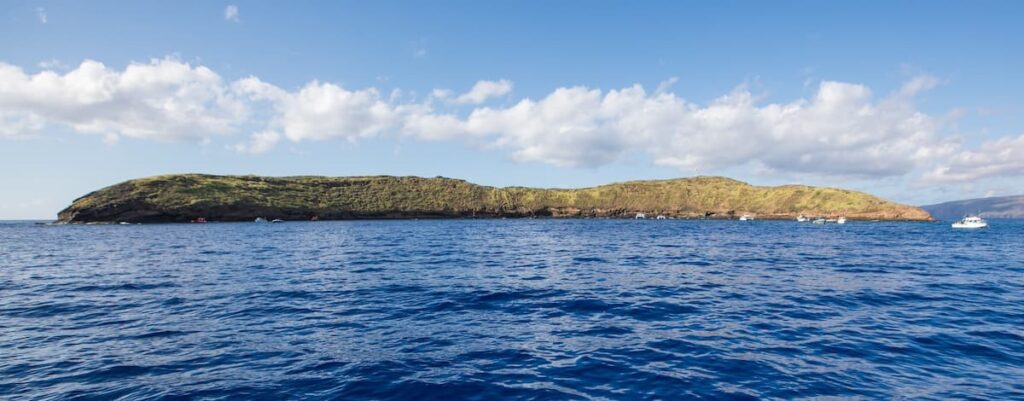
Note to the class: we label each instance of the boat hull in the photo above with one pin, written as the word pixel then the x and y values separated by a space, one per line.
pixel 969 225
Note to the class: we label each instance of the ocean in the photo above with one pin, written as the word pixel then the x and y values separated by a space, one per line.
pixel 512 309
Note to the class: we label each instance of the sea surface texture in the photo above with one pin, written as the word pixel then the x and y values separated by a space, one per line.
pixel 512 309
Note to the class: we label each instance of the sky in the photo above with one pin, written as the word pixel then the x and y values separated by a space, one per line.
pixel 917 102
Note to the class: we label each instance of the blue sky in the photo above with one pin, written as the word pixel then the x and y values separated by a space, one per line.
pixel 914 101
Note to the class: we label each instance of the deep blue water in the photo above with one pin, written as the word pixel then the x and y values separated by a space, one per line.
pixel 516 309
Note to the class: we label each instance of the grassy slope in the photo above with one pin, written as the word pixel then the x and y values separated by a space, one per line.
pixel 176 197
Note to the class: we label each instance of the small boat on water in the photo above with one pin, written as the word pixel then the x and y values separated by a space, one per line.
pixel 803 219
pixel 199 220
pixel 640 216
pixel 971 222
pixel 822 220
pixel 746 217
pixel 660 217
pixel 277 221
pixel 261 220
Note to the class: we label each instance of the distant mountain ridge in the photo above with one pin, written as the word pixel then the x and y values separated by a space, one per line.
pixel 180 198
pixel 1001 207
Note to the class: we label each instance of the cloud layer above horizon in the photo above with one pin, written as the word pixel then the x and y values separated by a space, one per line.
pixel 842 130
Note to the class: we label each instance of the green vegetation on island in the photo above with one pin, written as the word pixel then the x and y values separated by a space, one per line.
pixel 184 197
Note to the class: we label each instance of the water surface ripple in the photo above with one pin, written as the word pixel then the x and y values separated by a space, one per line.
pixel 512 309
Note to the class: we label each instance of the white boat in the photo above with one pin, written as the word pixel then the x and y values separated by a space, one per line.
pixel 841 220
pixel 277 221
pixel 640 216
pixel 971 222
pixel 660 217
pixel 746 217
pixel 801 218
pixel 261 220
pixel 819 221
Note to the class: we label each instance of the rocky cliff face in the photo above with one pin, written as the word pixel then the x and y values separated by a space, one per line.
pixel 181 198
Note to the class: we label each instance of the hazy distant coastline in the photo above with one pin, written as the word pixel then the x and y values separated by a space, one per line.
pixel 1001 207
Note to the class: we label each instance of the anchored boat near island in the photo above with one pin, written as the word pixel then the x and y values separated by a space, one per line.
pixel 821 220
pixel 971 222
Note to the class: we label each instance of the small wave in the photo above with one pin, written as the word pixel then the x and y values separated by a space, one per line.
pixel 123 287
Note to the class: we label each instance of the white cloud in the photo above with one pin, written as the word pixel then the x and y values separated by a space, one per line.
pixel 570 127
pixel 163 99
pixel 324 110
pixel 231 13
pixel 422 122
pixel 419 48
pixel 260 142
pixel 256 89
pixel 440 94
pixel 1002 157
pixel 52 64
pixel 41 14
pixel 19 125
pixel 665 85
pixel 919 84
pixel 484 90
pixel 842 129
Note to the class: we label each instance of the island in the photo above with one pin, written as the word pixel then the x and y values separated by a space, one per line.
pixel 996 207
pixel 188 197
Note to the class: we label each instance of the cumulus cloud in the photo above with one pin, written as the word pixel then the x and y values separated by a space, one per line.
pixel 231 13
pixel 163 99
pixel 998 158
pixel 19 125
pixel 255 89
pixel 570 127
pixel 440 94
pixel 484 90
pixel 424 123
pixel 324 110
pixel 841 129
pixel 260 142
